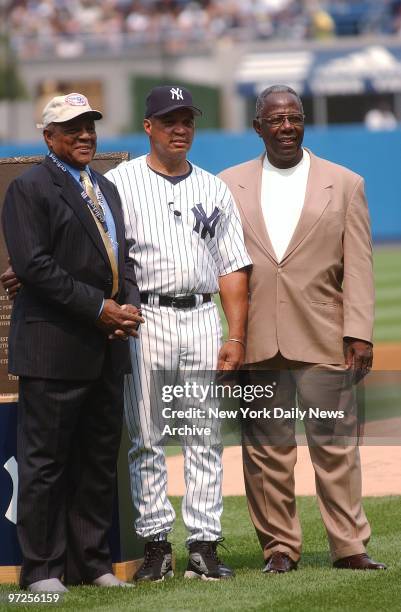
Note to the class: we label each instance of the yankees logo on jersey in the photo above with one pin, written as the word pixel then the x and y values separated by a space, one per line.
pixel 209 223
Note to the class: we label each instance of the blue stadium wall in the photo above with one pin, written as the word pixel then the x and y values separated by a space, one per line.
pixel 375 155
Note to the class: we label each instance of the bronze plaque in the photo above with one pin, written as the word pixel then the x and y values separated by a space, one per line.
pixel 10 168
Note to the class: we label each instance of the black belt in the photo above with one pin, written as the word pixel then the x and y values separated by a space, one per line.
pixel 179 301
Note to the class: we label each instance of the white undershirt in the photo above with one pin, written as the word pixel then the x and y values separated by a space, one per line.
pixel 282 198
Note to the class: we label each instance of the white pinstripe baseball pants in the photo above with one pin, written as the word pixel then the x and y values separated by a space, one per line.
pixel 172 341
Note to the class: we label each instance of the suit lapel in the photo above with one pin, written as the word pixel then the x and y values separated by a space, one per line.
pixel 317 197
pixel 251 185
pixel 70 193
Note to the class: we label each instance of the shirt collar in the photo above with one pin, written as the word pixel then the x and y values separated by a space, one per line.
pixel 286 171
pixel 74 171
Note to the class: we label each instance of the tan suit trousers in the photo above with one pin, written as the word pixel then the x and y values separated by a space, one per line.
pixel 270 454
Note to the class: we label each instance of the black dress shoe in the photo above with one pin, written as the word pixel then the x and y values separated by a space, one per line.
pixel 358 562
pixel 279 563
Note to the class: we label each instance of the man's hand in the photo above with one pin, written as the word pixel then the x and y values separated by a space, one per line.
pixel 358 357
pixel 119 321
pixel 119 333
pixel 10 282
pixel 231 356
pixel 234 299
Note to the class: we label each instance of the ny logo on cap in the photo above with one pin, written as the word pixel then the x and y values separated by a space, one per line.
pixel 176 93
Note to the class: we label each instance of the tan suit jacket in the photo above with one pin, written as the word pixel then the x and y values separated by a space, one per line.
pixel 322 290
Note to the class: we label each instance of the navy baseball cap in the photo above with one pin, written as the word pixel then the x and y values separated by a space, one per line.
pixel 165 98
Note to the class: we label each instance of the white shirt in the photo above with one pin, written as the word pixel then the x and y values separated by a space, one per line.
pixel 282 198
pixel 184 253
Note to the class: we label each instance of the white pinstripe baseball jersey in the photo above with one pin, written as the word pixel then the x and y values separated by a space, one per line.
pixel 180 253
pixel 186 235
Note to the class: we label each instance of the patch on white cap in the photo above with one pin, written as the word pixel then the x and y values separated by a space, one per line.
pixel 65 108
pixel 76 99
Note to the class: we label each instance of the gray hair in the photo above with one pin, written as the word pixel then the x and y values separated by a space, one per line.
pixel 261 99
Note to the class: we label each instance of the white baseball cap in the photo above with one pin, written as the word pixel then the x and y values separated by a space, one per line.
pixel 65 108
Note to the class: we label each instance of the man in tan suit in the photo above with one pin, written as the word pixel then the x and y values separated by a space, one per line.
pixel 307 230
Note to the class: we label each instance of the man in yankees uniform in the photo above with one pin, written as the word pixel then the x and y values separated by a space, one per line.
pixel 188 245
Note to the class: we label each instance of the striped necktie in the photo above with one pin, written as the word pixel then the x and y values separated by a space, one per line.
pixel 91 193
pixel 89 189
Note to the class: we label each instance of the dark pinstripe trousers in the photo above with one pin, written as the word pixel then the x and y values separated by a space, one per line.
pixel 68 439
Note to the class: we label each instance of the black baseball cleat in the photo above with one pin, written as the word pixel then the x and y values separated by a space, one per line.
pixel 157 564
pixel 204 563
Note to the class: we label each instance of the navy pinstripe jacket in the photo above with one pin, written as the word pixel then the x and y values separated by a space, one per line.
pixel 58 254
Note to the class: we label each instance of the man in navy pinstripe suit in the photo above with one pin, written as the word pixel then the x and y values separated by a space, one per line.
pixel 65 235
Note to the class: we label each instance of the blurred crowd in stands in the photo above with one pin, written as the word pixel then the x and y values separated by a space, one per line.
pixel 70 27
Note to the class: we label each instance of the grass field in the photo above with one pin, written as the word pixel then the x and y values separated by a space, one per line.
pixel 315 587
pixel 387 263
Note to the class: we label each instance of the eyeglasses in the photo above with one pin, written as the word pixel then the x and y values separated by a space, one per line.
pixel 278 120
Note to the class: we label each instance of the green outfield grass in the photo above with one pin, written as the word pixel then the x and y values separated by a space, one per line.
pixel 387 266
pixel 387 263
pixel 315 587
